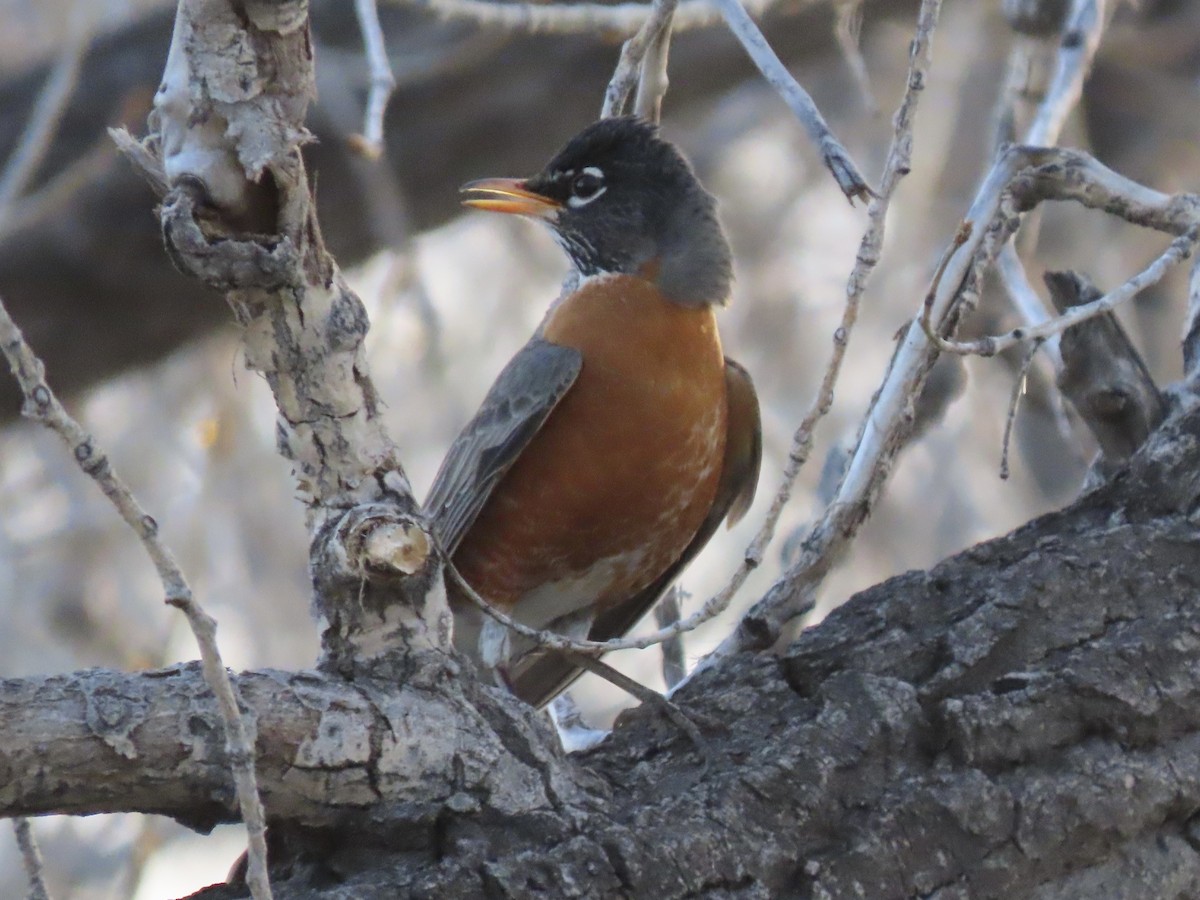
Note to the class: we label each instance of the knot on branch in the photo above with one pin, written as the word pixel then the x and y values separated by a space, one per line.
pixel 222 262
pixel 381 544
pixel 377 574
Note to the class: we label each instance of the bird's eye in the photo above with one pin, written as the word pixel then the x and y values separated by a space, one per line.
pixel 586 186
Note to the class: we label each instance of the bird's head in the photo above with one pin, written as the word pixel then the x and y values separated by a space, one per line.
pixel 620 198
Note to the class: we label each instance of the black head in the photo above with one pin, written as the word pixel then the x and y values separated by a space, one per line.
pixel 619 198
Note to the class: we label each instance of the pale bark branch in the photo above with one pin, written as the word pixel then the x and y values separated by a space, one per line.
pixel 833 154
pixel 376 575
pixel 383 81
pixel 1180 249
pixel 654 33
pixel 619 18
pixel 44 407
pixel 777 606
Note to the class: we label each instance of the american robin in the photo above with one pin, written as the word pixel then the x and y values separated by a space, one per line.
pixel 613 444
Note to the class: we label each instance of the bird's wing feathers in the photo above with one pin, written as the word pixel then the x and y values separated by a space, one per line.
pixel 743 446
pixel 539 677
pixel 524 395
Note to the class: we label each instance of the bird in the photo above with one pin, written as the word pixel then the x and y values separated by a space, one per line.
pixel 614 443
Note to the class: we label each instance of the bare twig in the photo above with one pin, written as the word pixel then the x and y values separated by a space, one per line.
pixel 1081 35
pixel 1014 402
pixel 1180 249
pixel 32 857
pixel 1033 311
pixel 383 82
pixel 42 405
pixel 51 103
pixel 1024 298
pixel 833 154
pixel 655 30
pixel 653 80
pixel 572 18
pixel 781 603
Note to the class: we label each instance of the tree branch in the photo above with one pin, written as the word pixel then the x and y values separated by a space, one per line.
pixel 566 18
pixel 1033 703
pixel 833 154
pixel 239 216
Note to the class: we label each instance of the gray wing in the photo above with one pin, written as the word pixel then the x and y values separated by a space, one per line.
pixel 524 395
pixel 539 678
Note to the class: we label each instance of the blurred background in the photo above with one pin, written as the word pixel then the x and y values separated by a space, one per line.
pixel 151 364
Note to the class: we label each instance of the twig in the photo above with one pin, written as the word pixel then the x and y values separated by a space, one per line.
pixel 1024 298
pixel 35 869
pixel 572 18
pixel 833 154
pixel 653 80
pixel 780 602
pixel 629 66
pixel 51 103
pixel 1014 401
pixel 383 82
pixel 1180 249
pixel 1081 33
pixel 1080 39
pixel 42 405
pixel 1033 311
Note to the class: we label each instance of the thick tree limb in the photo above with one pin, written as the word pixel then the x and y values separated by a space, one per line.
pixel 1022 720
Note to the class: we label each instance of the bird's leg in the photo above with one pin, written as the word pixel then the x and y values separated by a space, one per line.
pixel 646 695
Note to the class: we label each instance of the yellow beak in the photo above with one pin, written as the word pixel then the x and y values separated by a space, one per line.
pixel 508 195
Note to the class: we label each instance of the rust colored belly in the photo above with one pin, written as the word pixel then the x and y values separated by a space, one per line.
pixel 613 488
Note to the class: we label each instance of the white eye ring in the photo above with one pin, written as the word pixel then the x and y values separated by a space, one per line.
pixel 591 181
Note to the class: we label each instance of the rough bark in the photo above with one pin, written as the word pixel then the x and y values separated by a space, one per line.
pixel 1020 720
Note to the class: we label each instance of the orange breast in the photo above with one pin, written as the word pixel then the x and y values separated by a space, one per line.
pixel 613 488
